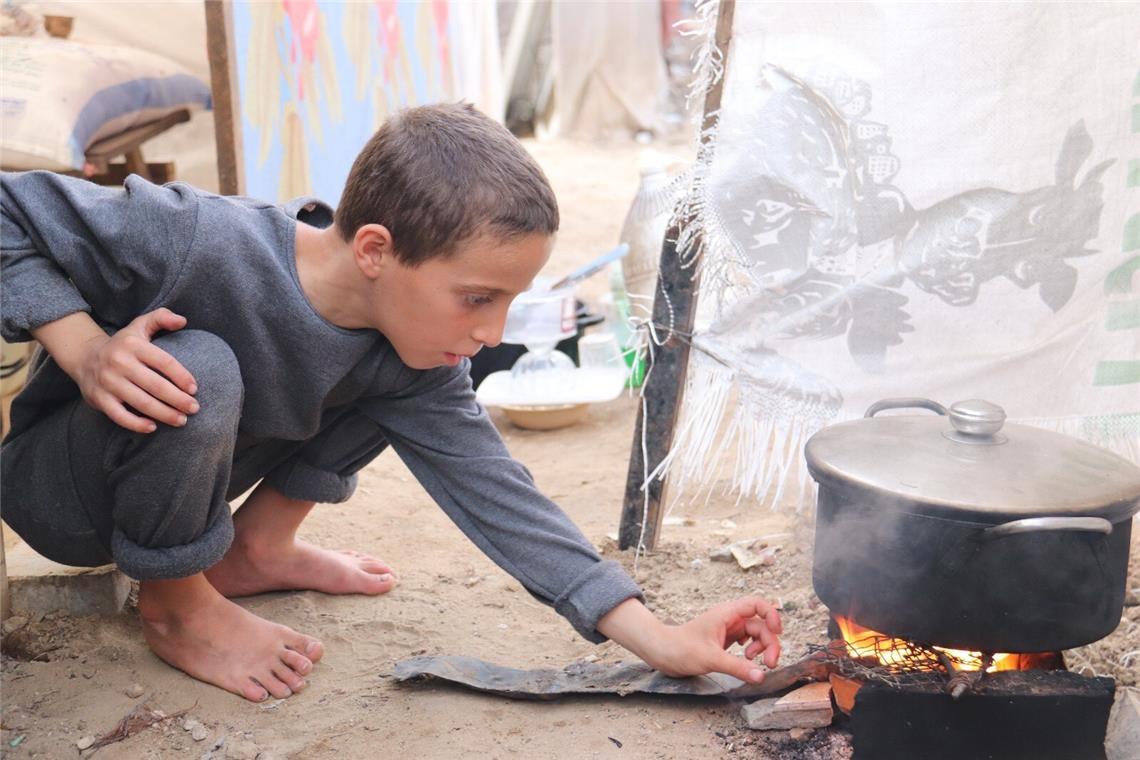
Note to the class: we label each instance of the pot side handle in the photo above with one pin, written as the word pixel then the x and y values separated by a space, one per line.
pixel 1036 524
pixel 905 403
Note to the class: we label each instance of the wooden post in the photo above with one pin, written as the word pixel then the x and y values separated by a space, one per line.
pixel 5 598
pixel 224 87
pixel 675 305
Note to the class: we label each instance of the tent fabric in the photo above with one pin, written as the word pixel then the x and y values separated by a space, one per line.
pixel 610 70
pixel 934 200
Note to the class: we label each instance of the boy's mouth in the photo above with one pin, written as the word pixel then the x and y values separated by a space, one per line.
pixel 453 358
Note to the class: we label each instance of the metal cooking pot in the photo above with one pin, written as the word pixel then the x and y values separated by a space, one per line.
pixel 969 533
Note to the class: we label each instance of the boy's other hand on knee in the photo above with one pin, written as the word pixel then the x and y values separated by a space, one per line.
pixel 133 381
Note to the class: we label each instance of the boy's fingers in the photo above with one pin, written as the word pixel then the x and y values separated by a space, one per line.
pixel 738 667
pixel 772 654
pixel 161 319
pixel 163 390
pixel 768 643
pixel 755 606
pixel 757 628
pixel 146 404
pixel 118 414
pixel 163 362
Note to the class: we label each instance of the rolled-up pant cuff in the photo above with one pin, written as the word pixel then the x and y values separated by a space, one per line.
pixel 302 481
pixel 167 562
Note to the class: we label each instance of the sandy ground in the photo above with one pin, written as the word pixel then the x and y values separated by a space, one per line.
pixel 67 678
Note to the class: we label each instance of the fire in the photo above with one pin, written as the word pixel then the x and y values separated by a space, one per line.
pixel 863 642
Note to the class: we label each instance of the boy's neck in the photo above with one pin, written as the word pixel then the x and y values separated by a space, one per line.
pixel 329 276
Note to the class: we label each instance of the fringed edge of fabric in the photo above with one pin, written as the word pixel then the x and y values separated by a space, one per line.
pixel 1118 433
pixel 707 58
pixel 728 417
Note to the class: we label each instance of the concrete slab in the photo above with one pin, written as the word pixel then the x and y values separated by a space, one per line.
pixel 1122 740
pixel 36 584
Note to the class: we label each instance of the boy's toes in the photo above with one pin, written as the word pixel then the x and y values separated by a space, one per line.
pixel 253 691
pixel 290 678
pixel 312 649
pixel 274 685
pixel 376 583
pixel 296 662
pixel 375 566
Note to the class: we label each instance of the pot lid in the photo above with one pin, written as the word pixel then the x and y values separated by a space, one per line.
pixel 967 463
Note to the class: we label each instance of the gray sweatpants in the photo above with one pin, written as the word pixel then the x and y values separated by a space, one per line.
pixel 83 491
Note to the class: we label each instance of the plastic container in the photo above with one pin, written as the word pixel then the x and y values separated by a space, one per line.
pixel 503 356
pixel 546 417
pixel 541 316
pixel 634 285
pixel 618 311
pixel 645 226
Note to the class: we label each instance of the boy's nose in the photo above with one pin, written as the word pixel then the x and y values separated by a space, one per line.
pixel 489 334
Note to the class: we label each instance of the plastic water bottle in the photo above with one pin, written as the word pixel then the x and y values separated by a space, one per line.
pixel 644 228
pixel 634 285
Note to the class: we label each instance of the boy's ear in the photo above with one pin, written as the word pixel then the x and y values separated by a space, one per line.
pixel 372 248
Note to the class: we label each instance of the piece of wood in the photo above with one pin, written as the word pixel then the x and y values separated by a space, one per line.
pixel 130 140
pixel 5 599
pixel 812 696
pixel 128 144
pixel 815 667
pixel 158 172
pixel 674 312
pixel 220 50
pixel 845 690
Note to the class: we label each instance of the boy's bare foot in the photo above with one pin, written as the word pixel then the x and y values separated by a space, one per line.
pixel 191 626
pixel 295 565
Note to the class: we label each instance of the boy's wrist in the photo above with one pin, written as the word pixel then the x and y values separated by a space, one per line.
pixel 632 625
pixel 69 339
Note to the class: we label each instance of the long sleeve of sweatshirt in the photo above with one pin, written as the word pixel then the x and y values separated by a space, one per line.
pixel 446 439
pixel 68 246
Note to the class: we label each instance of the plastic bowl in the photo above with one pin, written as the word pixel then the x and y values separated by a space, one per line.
pixel 546 417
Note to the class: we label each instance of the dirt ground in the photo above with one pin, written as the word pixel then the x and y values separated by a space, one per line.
pixel 69 678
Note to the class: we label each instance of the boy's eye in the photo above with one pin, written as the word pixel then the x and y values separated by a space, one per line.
pixel 477 300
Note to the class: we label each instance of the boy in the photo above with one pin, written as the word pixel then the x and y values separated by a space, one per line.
pixel 201 345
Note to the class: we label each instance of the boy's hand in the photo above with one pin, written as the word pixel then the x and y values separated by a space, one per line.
pixel 698 646
pixel 125 375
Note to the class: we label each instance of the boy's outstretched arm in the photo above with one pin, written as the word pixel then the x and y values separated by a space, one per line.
pixel 698 646
pixel 445 437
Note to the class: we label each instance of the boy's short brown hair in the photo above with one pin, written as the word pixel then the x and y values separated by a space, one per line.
pixel 439 175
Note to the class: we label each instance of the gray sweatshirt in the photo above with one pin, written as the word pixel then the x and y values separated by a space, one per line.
pixel 228 265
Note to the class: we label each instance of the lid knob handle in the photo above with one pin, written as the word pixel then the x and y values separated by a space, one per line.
pixel 976 417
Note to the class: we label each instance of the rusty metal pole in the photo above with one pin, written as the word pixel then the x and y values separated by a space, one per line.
pixel 675 305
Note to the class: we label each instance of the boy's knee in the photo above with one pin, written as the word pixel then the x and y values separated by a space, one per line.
pixel 215 369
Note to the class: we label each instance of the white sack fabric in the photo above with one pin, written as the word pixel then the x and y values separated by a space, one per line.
pixel 936 200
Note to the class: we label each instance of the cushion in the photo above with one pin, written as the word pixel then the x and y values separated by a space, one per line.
pixel 57 97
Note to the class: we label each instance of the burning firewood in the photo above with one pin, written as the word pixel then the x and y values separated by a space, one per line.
pixel 817 666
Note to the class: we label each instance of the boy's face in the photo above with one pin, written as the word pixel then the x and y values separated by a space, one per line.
pixel 448 308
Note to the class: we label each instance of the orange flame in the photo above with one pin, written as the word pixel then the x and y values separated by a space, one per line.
pixel 863 642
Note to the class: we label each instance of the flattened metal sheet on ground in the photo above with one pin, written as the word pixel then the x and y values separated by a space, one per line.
pixel 576 678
